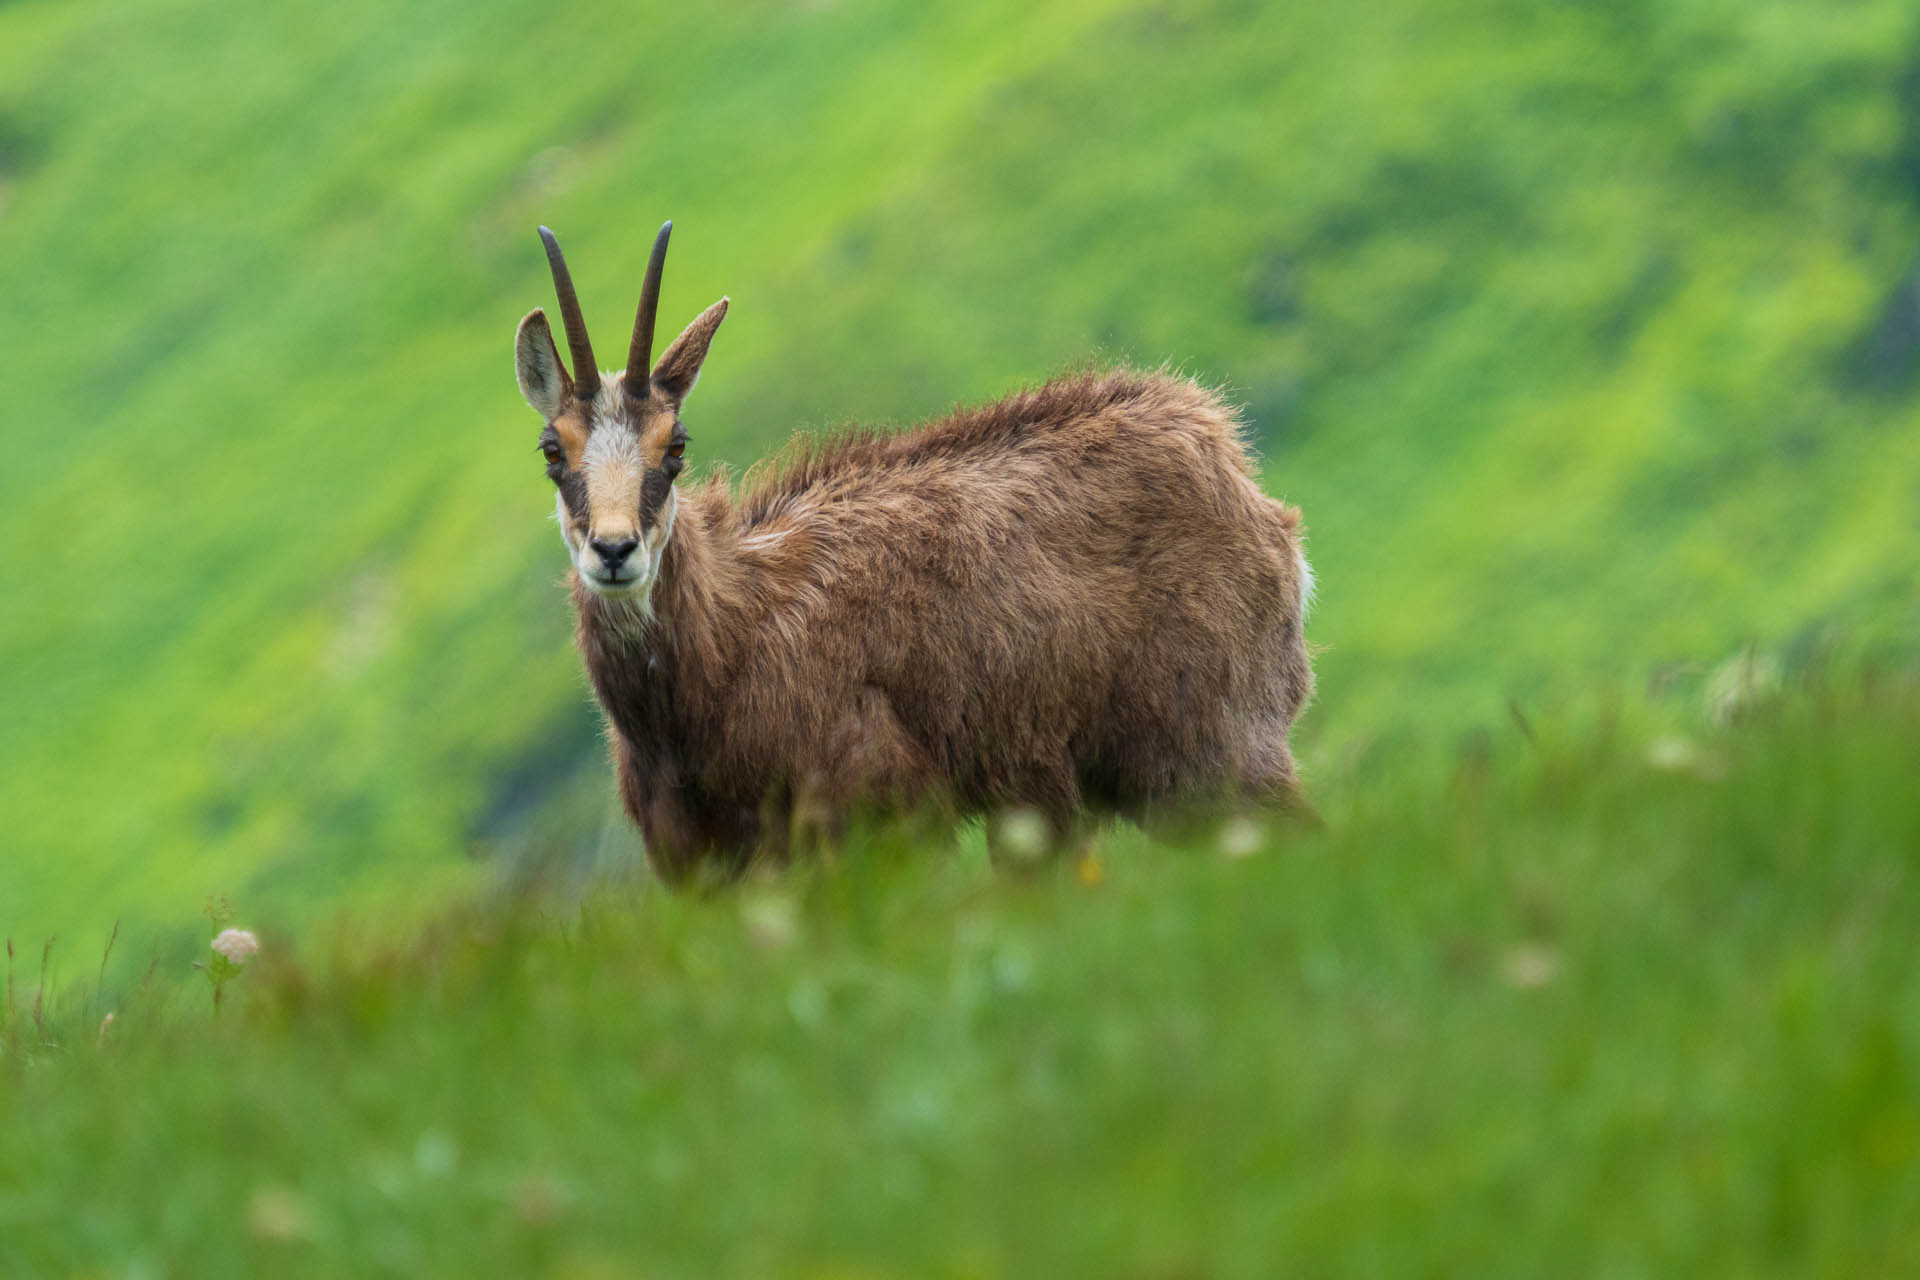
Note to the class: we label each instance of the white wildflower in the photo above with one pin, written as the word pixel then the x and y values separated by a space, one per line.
pixel 770 919
pixel 1023 835
pixel 237 945
pixel 1673 754
pixel 1529 966
pixel 1241 837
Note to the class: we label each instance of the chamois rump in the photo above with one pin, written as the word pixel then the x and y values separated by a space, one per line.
pixel 1075 600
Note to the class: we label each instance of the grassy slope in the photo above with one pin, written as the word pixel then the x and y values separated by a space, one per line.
pixel 1536 1008
pixel 1553 319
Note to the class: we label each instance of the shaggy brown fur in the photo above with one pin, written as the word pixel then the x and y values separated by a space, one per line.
pixel 1074 599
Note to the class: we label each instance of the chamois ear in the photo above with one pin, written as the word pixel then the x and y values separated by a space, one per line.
pixel 679 369
pixel 536 362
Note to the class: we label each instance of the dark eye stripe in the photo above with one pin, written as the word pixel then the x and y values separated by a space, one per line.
pixel 653 492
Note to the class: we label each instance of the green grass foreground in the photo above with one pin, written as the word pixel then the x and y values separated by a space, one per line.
pixel 1582 997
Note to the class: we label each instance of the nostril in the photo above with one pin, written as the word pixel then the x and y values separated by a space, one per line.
pixel 614 554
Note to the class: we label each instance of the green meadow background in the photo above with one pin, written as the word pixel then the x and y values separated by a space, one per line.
pixel 1585 334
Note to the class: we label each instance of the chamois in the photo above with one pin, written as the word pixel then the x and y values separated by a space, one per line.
pixel 1074 600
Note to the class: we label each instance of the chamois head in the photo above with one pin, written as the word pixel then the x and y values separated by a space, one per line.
pixel 613 442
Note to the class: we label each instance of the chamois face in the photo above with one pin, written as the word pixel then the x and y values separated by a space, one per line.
pixel 613 443
pixel 613 463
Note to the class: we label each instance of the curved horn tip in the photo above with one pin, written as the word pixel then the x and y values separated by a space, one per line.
pixel 586 373
pixel 640 349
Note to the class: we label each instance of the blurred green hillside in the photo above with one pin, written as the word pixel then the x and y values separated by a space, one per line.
pixel 1585 334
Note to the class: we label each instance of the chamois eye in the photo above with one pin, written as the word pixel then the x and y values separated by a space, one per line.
pixel 677 449
pixel 553 454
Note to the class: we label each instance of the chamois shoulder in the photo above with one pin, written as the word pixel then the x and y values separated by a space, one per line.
pixel 1034 418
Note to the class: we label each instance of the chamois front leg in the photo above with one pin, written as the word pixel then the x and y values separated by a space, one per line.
pixel 868 765
pixel 685 838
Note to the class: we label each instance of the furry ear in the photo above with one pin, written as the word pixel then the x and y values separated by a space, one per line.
pixel 536 362
pixel 679 369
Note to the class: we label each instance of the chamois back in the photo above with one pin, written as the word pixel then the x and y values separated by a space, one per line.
pixel 1074 598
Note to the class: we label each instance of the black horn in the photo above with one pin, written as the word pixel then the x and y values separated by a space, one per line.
pixel 640 354
pixel 586 374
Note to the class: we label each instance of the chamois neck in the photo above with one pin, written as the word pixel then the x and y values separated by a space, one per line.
pixel 683 597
